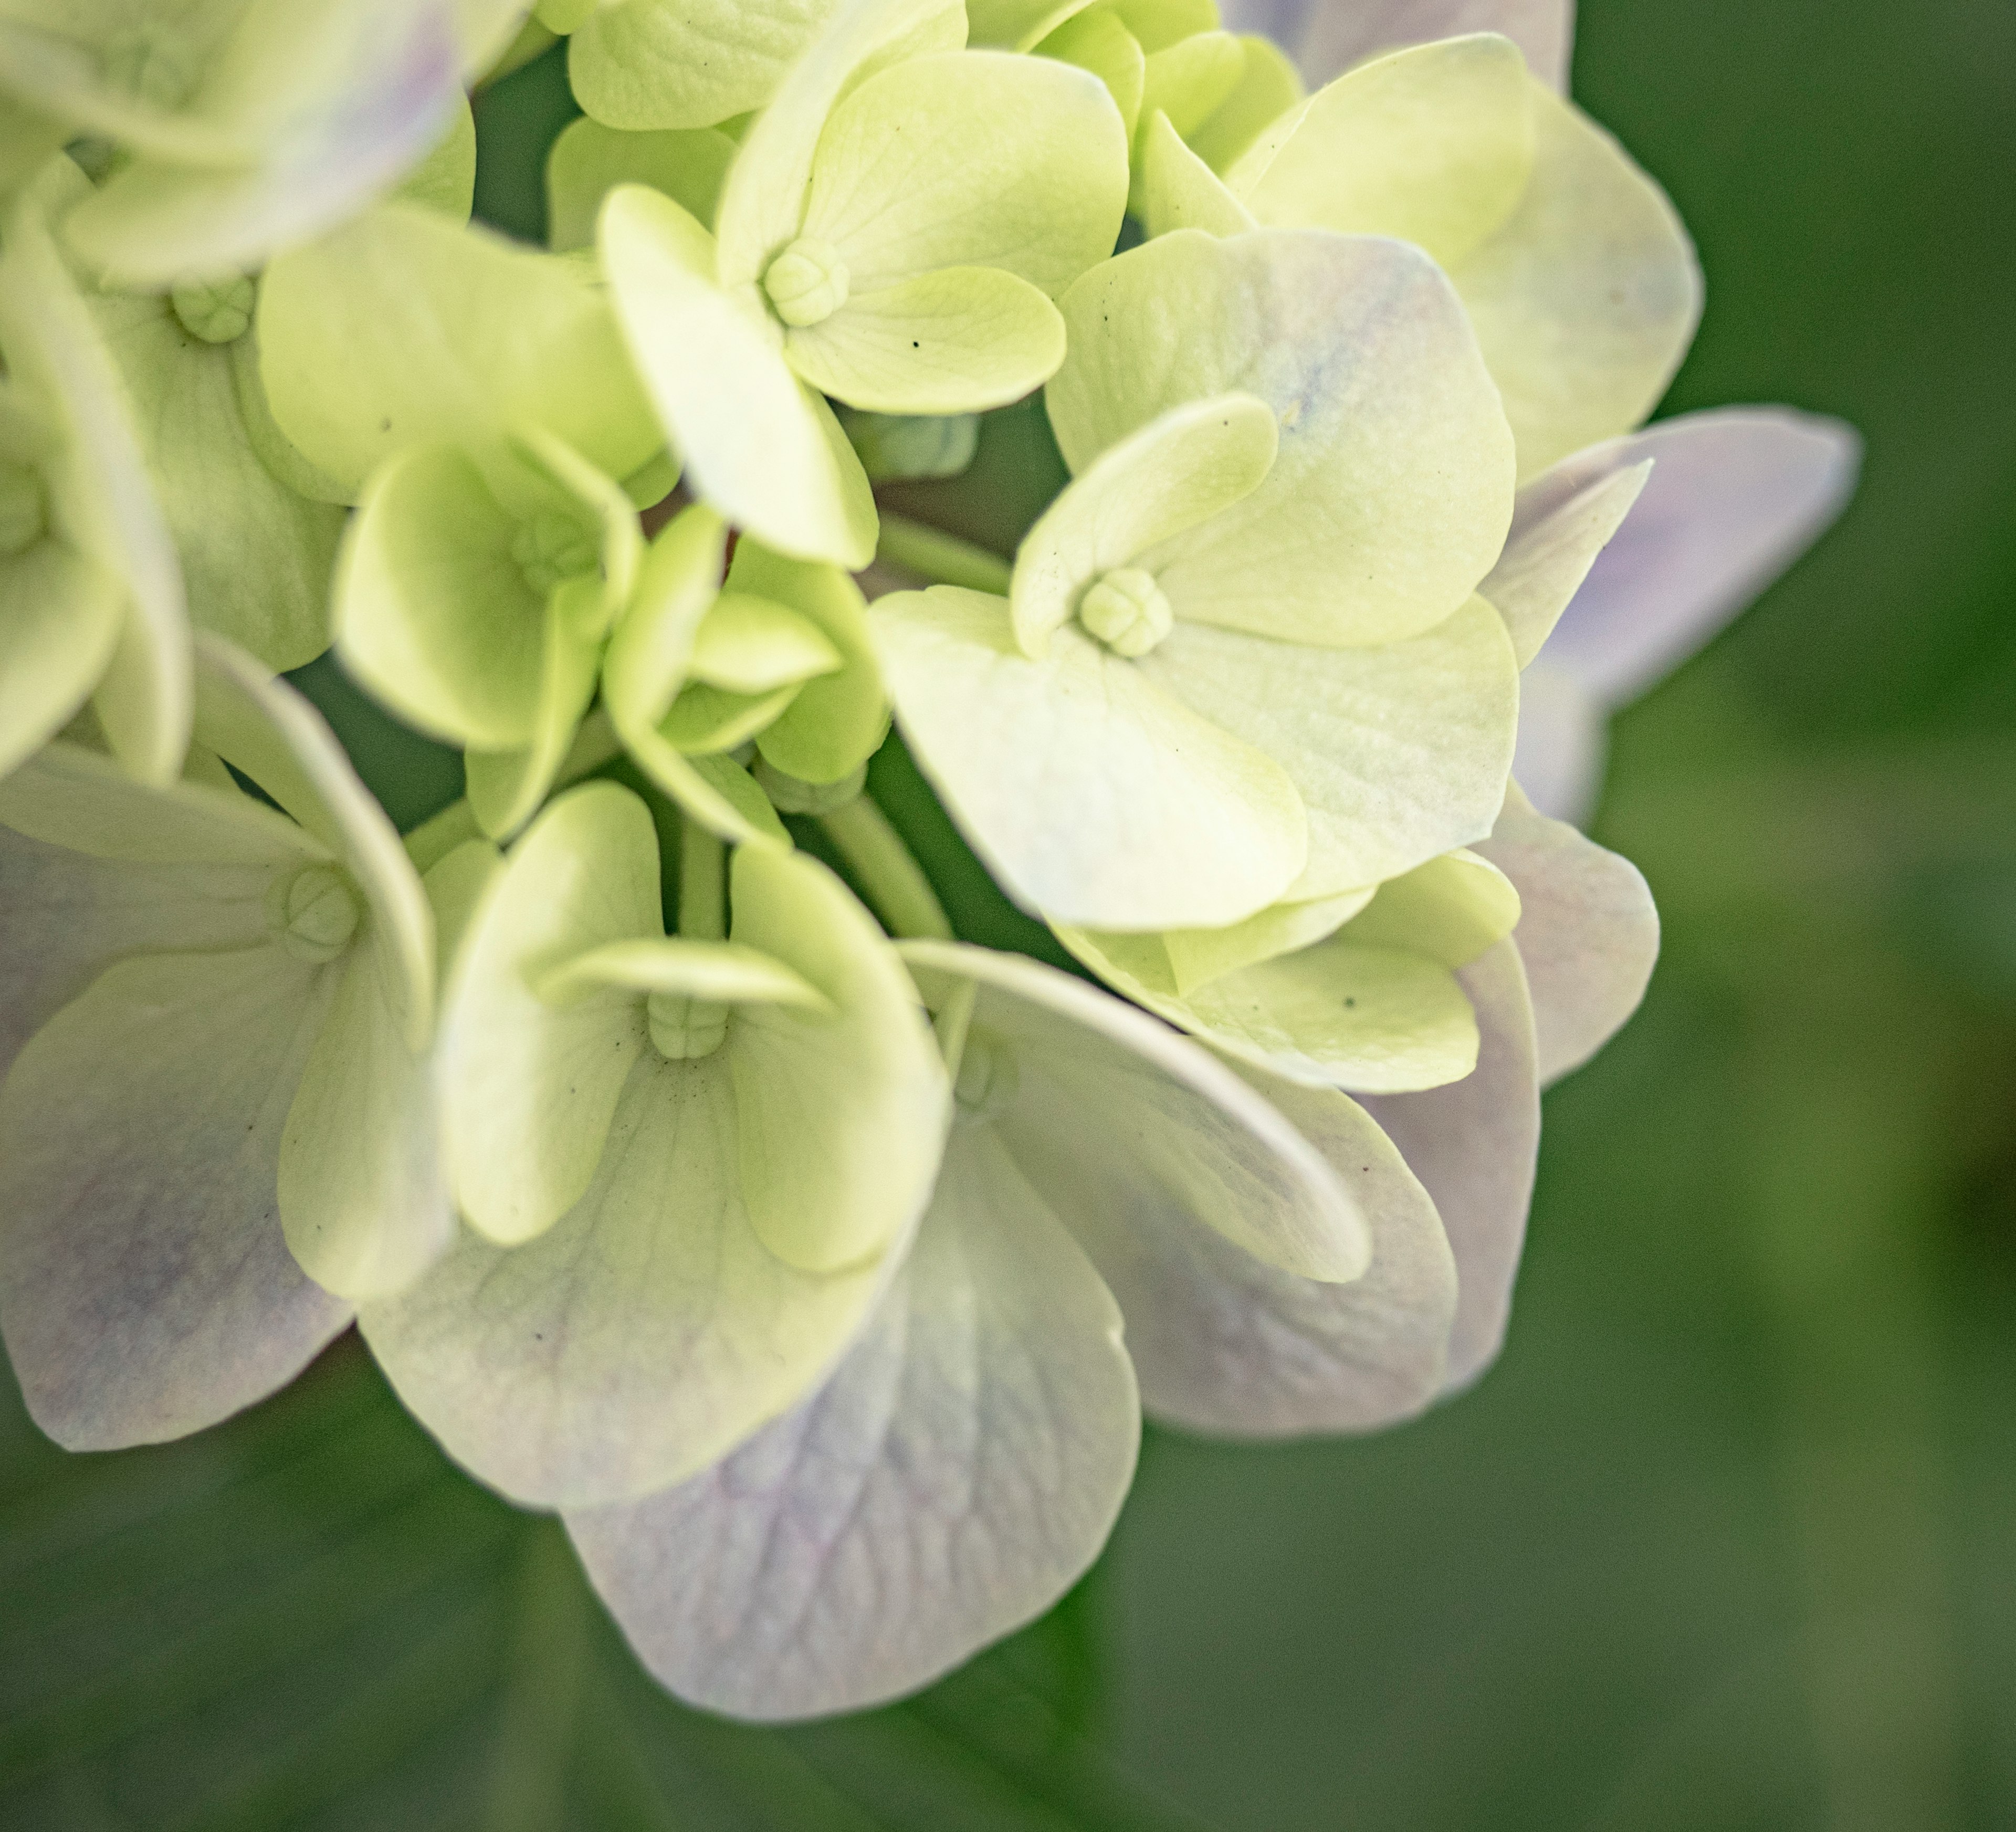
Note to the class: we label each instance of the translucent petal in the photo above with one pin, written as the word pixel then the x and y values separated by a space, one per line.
pixel 1397 753
pixel 589 161
pixel 1227 1343
pixel 1180 470
pixel 1586 299
pixel 1433 145
pixel 758 446
pixel 1392 491
pixel 1326 39
pixel 1473 1144
pixel 1105 1106
pixel 1564 738
pixel 981 158
pixel 1561 523
pixel 1735 496
pixel 59 617
pixel 654 64
pixel 1178 191
pixel 1093 795
pixel 958 340
pixel 954 1476
pixel 448 332
pixel 147 1291
pixel 1449 910
pixel 1588 933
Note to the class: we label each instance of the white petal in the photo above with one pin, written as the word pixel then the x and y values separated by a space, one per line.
pixel 1327 37
pixel 146 1291
pixel 1473 1144
pixel 959 1470
pixel 1563 740
pixel 1560 523
pixel 1735 496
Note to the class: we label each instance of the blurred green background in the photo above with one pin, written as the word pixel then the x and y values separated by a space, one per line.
pixel 1727 1539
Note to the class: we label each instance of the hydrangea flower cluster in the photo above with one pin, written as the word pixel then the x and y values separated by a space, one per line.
pixel 818 1268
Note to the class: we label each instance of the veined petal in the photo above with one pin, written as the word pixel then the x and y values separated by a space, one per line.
pixel 589 160
pixel 1735 496
pixel 1473 1144
pixel 60 616
pixel 759 447
pixel 1398 753
pixel 1326 39
pixel 1586 299
pixel 1094 795
pixel 1096 1100
pixel 954 1476
pixel 1227 1343
pixel 1560 523
pixel 643 1335
pixel 957 340
pixel 146 1290
pixel 1588 933
pixel 1181 469
pixel 450 332
pixel 1392 490
pixel 656 63
pixel 977 159
pixel 1563 740
pixel 1178 191
pixel 1433 146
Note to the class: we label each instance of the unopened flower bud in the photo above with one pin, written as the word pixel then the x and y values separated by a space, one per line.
pixel 315 913
pixel 1126 610
pixel 218 312
pixel 555 546
pixel 807 282
pixel 987 1077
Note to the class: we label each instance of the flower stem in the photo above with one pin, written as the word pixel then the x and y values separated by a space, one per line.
pixel 895 884
pixel 703 883
pixel 945 558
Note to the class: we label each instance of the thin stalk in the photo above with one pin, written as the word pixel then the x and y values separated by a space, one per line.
pixel 942 558
pixel 703 883
pixel 897 888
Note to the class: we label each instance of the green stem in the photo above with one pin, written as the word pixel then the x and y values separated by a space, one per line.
pixel 896 884
pixel 703 883
pixel 945 558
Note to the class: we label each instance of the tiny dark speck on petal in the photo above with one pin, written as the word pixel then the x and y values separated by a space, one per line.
pixel 1349 1003
pixel 913 343
pixel 384 426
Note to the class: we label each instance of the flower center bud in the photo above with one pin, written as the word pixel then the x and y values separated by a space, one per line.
pixel 1126 610
pixel 315 913
pixel 554 546
pixel 987 1077
pixel 24 509
pixel 218 312
pixel 806 282
pixel 145 62
pixel 685 1028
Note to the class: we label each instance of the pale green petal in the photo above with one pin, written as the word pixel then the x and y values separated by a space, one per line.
pixel 1397 753
pixel 1561 522
pixel 687 63
pixel 506 787
pixel 841 1115
pixel 724 972
pixel 1563 740
pixel 589 161
pixel 59 617
pixel 277 452
pixel 1226 1344
pixel 256 555
pixel 1178 191
pixel 147 1291
pixel 445 180
pixel 1450 910
pixel 1434 146
pixel 447 332
pixel 1377 1020
pixel 1189 80
pixel 1197 955
pixel 1473 1145
pixel 954 1475
pixel 981 158
pixel 1392 490
pixel 1268 87
pixel 639 1340
pixel 1095 797
pixel 763 203
pixel 838 721
pixel 364 1198
pixel 705 720
pixel 1160 23
pixel 264 727
pixel 757 444
pixel 1179 470
pixel 1588 933
pixel 1098 1104
pixel 487 31
pixel 959 341
pixel 1097 40
pixel 433 613
pixel 1585 301
pixel 530 1086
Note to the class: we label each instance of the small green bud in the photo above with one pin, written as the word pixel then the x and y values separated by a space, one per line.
pixel 807 282
pixel 24 509
pixel 684 1028
pixel 145 62
pixel 315 913
pixel 1126 610
pixel 790 794
pixel 555 546
pixel 987 1077
pixel 218 312
pixel 898 445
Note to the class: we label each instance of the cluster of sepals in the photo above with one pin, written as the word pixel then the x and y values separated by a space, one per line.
pixel 788 1262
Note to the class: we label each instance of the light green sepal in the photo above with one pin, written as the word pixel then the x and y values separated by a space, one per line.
pixel 506 788
pixel 724 972
pixel 445 180
pixel 1097 40
pixel 1197 956
pixel 59 617
pixel 1269 86
pixel 1178 191
pixel 1450 910
pixel 589 161
pixel 1191 79
pixel 749 644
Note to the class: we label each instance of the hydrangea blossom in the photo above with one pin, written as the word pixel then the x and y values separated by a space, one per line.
pixel 817 1267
